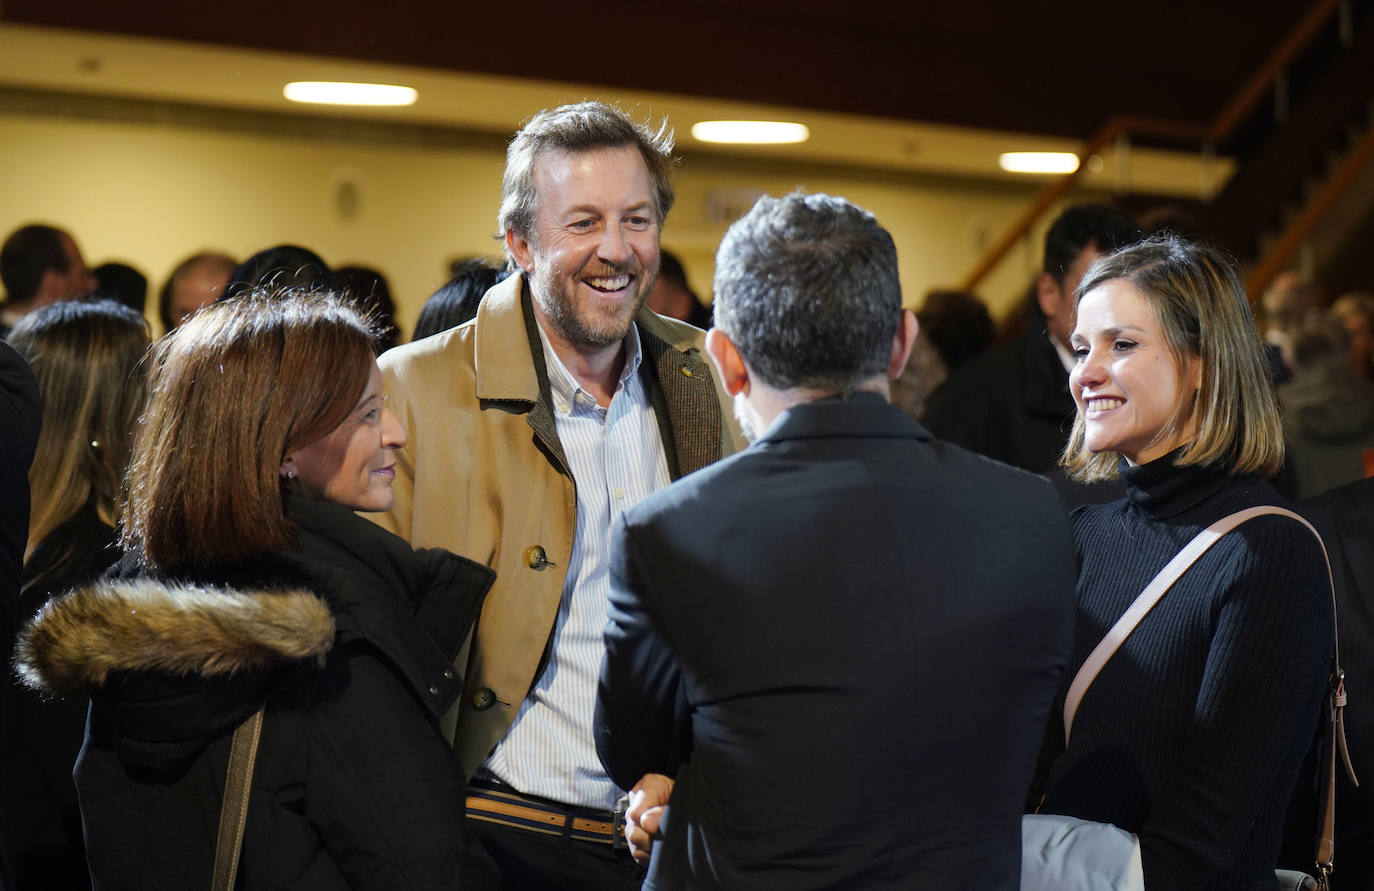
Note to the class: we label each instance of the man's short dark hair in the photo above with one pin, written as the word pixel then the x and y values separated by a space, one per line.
pixel 1103 225
pixel 29 252
pixel 807 288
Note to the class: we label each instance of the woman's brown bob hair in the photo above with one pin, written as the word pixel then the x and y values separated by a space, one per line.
pixel 1201 306
pixel 232 392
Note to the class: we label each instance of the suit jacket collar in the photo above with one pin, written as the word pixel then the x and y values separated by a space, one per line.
pixel 866 415
pixel 510 367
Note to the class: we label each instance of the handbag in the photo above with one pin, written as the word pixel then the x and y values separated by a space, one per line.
pixel 233 811
pixel 1041 843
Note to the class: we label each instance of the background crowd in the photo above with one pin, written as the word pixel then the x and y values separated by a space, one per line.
pixel 126 503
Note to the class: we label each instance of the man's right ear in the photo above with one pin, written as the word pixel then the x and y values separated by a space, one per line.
pixel 51 286
pixel 734 374
pixel 521 250
pixel 1049 295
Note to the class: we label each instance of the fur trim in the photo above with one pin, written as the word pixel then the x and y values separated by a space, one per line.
pixel 144 624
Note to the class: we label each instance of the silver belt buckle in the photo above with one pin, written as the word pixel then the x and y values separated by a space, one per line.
pixel 618 842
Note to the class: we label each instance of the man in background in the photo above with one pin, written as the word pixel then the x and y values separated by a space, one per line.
pixel 1013 403
pixel 196 282
pixel 40 264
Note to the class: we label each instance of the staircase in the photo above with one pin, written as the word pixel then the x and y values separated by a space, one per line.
pixel 1301 131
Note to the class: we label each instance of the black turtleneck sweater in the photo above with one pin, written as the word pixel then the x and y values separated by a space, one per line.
pixel 1192 734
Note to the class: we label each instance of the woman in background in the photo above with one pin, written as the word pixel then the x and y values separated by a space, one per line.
pixel 250 586
pixel 86 358
pixel 1192 734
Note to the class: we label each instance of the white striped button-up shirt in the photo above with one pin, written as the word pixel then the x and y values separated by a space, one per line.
pixel 616 458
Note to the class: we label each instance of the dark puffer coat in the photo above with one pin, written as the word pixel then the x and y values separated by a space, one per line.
pixel 349 640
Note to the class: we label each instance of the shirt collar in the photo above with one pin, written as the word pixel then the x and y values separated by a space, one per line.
pixel 1066 357
pixel 564 387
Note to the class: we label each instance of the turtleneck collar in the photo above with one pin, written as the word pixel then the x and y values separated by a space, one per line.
pixel 1164 489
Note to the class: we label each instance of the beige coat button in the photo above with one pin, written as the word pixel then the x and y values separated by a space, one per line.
pixel 535 558
pixel 483 699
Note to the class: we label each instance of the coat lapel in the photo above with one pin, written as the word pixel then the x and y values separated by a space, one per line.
pixel 510 363
pixel 684 402
pixel 511 369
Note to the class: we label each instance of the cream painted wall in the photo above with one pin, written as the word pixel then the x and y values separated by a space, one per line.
pixel 150 194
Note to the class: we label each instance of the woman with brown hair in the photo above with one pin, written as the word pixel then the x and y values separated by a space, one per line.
pixel 251 596
pixel 86 358
pixel 1191 733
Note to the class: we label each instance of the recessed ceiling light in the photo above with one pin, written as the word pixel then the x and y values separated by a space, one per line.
pixel 1038 162
pixel 326 92
pixel 746 132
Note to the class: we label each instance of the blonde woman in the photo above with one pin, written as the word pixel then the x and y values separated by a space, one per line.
pixel 86 357
pixel 1192 734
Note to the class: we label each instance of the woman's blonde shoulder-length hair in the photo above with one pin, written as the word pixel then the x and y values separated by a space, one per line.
pixel 87 357
pixel 1201 306
pixel 232 392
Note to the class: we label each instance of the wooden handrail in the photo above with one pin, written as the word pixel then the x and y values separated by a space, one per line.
pixel 1304 223
pixel 1046 197
pixel 1235 111
pixel 1253 92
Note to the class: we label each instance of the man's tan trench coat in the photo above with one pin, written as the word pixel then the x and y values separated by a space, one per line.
pixel 483 475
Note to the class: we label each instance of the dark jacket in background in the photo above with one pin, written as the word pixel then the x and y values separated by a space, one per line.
pixel 1011 403
pixel 843 642
pixel 1328 417
pixel 353 787
pixel 1345 518
pixel 21 412
pixel 42 734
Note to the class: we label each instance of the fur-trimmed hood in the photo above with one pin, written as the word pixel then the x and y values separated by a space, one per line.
pixel 144 624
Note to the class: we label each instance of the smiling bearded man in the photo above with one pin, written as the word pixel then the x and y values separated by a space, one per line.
pixel 592 253
pixel 531 430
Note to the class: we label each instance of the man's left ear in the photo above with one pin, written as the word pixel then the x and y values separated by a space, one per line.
pixel 902 342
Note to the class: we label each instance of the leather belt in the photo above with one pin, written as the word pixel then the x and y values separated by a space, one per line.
pixel 498 803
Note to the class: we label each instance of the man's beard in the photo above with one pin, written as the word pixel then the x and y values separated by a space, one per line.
pixel 587 328
pixel 746 416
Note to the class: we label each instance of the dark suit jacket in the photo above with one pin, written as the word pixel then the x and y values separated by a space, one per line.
pixel 843 642
pixel 1011 403
pixel 21 412
pixel 1345 518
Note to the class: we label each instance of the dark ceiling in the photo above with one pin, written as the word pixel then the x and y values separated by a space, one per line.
pixel 1059 68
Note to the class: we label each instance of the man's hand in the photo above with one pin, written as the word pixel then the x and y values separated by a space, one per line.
pixel 648 803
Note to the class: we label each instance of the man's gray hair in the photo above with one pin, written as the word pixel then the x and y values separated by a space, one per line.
pixel 583 127
pixel 807 288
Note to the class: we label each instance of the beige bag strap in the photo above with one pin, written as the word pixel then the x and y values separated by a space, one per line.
pixel 1155 590
pixel 1335 736
pixel 233 812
